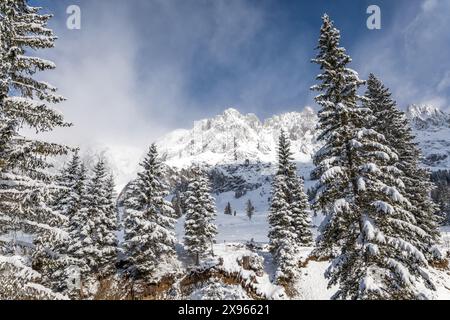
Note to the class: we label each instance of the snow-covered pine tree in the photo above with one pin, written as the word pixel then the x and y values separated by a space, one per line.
pixel 25 183
pixel 200 229
pixel 284 154
pixel 149 223
pixel 228 210
pixel 359 190
pixel 393 124
pixel 299 207
pixel 109 241
pixel 249 209
pixel 282 236
pixel 67 198
pixel 102 215
pixel 20 282
pixel 66 201
pixel 77 253
pixel 111 206
pixel 289 222
pixel 295 193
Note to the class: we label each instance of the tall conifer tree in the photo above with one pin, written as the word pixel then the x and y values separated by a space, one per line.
pixel 25 184
pixel 149 223
pixel 200 229
pixel 359 189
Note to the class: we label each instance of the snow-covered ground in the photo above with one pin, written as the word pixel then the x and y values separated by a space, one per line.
pixel 311 285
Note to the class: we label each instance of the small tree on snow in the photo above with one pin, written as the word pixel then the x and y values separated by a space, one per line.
pixel 228 210
pixel 249 209
pixel 282 236
pixel 200 230
pixel 294 193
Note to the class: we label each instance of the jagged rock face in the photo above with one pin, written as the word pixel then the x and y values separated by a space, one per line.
pixel 424 117
pixel 432 129
pixel 238 151
pixel 236 138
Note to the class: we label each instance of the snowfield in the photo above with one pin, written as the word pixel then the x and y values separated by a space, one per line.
pixel 311 284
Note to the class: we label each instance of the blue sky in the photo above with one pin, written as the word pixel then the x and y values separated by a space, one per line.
pixel 140 68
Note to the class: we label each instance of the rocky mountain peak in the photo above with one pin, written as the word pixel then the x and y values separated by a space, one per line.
pixel 427 117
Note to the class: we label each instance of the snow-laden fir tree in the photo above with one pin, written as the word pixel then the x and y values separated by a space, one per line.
pixel 284 154
pixel 295 193
pixel 101 212
pixel 111 203
pixel 289 221
pixel 249 209
pixel 111 218
pixel 200 228
pixel 299 207
pixel 359 189
pixel 282 236
pixel 18 281
pixel 149 223
pixel 25 184
pixel 78 251
pixel 67 195
pixel 228 210
pixel 67 201
pixel 393 124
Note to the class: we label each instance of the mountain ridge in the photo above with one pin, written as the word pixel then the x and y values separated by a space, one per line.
pixel 233 137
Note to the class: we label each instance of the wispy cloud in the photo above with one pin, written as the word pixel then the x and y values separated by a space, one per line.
pixel 412 57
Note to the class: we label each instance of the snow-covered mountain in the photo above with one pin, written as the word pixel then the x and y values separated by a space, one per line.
pixel 235 138
pixel 432 129
pixel 426 117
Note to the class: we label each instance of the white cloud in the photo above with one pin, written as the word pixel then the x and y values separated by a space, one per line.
pixel 444 84
pixel 429 5
pixel 412 57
